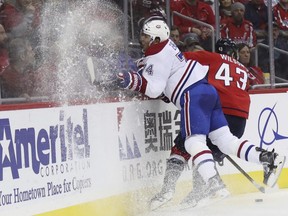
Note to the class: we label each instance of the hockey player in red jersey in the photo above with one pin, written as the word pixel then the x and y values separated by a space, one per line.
pixel 227 75
pixel 184 83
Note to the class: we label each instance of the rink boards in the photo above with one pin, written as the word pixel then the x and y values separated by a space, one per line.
pixel 109 159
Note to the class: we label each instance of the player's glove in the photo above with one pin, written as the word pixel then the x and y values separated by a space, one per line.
pixel 130 80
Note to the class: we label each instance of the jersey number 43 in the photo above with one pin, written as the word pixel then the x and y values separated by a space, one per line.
pixel 228 75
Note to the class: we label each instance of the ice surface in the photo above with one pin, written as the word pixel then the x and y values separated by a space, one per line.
pixel 274 203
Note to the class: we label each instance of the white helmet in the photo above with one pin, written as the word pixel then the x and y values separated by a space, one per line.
pixel 156 28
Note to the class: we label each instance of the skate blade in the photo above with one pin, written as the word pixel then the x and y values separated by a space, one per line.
pixel 157 203
pixel 273 178
pixel 218 196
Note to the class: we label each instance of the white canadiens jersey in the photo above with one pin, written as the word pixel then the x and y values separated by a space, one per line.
pixel 167 71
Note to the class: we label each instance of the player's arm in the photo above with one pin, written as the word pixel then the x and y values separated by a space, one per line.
pixel 156 74
pixel 150 80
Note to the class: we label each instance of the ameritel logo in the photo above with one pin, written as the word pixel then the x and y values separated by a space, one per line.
pixel 29 148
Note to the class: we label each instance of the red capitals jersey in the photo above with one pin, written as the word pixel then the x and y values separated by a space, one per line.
pixel 243 33
pixel 229 77
pixel 201 11
pixel 281 16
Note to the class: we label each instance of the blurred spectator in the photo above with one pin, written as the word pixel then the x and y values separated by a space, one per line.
pixel 197 10
pixel 255 75
pixel 45 76
pixel 281 60
pixel 209 2
pixel 120 3
pixel 1 3
pixel 143 9
pixel 17 80
pixel 4 57
pixel 190 41
pixel 175 36
pixel 225 10
pixel 238 28
pixel 35 35
pixel 194 48
pixel 257 13
pixel 242 1
pixel 19 19
pixel 280 13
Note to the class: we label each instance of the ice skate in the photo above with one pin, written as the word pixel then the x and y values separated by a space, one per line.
pixel 172 173
pixel 160 199
pixel 272 164
pixel 205 193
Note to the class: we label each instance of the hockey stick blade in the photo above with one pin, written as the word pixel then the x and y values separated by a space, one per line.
pixel 90 67
pixel 259 187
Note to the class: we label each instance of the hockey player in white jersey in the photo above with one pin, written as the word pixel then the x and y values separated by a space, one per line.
pixel 167 72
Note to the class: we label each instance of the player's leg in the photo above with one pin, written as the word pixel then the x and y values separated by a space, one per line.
pixel 178 159
pixel 174 167
pixel 198 106
pixel 231 145
pixel 236 125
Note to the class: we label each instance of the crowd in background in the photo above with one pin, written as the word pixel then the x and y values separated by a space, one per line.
pixel 23 67
pixel 44 46
pixel 19 22
pixel 243 21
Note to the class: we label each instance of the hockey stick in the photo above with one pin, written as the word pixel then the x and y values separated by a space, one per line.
pixel 90 66
pixel 106 84
pixel 259 187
